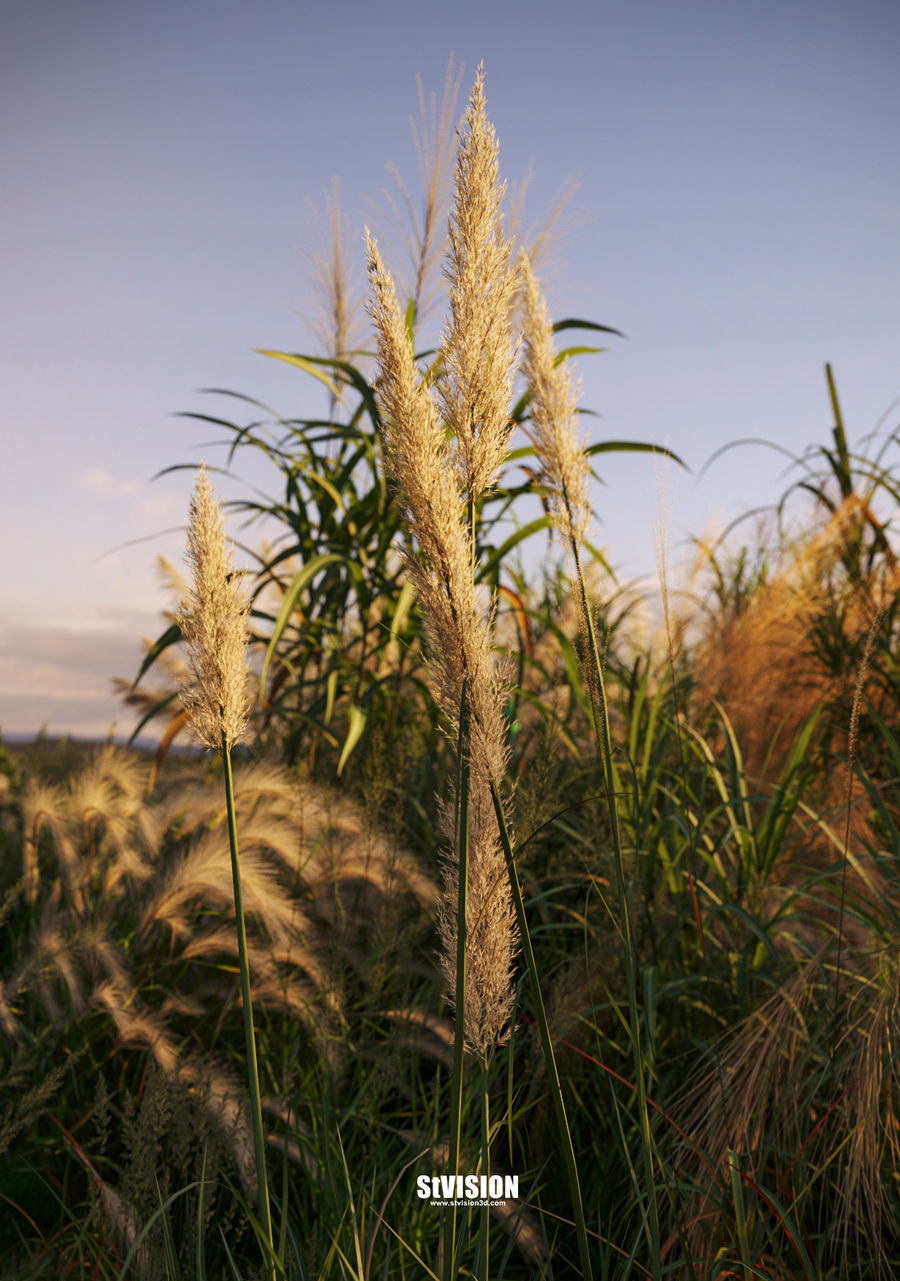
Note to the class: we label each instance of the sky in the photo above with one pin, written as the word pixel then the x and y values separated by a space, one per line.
pixel 737 218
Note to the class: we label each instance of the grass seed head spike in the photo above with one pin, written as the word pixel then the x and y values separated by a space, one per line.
pixel 420 465
pixel 479 351
pixel 214 625
pixel 553 417
pixel 436 482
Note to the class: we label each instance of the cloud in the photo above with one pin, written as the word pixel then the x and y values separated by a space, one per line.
pixel 161 505
pixel 62 677
pixel 100 483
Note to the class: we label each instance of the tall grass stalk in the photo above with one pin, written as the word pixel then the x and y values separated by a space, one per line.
pixel 566 475
pixel 484 1234
pixel 440 485
pixel 259 1149
pixel 457 1079
pixel 214 625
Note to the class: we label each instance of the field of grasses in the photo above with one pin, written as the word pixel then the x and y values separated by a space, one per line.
pixel 483 873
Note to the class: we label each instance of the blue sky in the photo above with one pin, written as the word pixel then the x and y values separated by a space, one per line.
pixel 738 217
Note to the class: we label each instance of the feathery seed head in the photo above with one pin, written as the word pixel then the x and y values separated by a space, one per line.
pixel 436 479
pixel 478 348
pixel 491 933
pixel 420 464
pixel 417 451
pixel 553 417
pixel 425 240
pixel 214 626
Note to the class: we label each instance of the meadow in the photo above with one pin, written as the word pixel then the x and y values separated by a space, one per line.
pixel 490 870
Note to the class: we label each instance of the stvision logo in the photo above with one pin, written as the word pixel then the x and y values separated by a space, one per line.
pixel 467 1189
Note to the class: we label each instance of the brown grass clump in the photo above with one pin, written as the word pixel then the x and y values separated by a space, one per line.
pixel 803 1092
pixel 762 664
pixel 761 661
pixel 778 1106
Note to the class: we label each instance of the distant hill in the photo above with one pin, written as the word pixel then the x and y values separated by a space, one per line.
pixel 143 746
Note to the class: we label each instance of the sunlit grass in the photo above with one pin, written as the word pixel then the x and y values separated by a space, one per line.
pixel 691 1064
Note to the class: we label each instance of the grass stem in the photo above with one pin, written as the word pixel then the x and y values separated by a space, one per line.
pixel 259 1148
pixel 459 1033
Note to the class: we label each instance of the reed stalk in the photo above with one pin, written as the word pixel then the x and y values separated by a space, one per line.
pixel 458 1077
pixel 259 1149
pixel 440 483
pixel 484 1230
pixel 566 474
pixel 214 626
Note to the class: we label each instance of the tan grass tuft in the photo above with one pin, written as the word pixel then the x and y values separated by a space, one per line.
pixel 137 1026
pixel 432 1037
pixel 214 626
pixel 478 350
pixel 109 821
pixel 204 876
pixel 317 878
pixel 43 808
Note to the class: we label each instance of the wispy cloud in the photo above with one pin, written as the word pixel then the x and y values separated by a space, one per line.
pixel 103 485
pixel 161 506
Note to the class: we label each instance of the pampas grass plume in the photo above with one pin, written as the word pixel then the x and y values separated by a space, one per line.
pixel 439 483
pixel 214 625
pixel 553 417
pixel 479 351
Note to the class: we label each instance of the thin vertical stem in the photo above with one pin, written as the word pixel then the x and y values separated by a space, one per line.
pixel 459 1031
pixel 252 1070
pixel 484 1233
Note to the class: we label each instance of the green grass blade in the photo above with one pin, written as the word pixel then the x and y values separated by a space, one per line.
pixel 299 582
pixel 148 1227
pixel 357 718
pixel 200 1253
